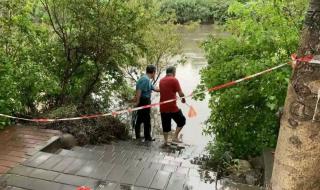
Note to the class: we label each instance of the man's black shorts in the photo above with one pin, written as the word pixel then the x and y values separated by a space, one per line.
pixel 177 117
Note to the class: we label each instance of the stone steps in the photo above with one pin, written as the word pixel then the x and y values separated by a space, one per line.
pixel 126 156
pixel 119 166
pixel 89 173
pixel 77 164
pixel 105 167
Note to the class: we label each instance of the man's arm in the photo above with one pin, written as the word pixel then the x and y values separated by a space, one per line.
pixel 137 97
pixel 181 94
pixel 178 89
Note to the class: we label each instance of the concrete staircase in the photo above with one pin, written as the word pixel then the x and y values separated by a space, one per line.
pixel 125 165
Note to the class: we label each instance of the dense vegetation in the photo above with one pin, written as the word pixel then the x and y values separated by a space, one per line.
pixel 61 54
pixel 262 34
pixel 204 11
pixel 56 53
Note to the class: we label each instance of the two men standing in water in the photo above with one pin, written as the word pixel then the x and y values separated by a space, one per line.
pixel 169 86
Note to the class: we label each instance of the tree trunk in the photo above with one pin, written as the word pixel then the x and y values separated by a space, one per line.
pixel 297 157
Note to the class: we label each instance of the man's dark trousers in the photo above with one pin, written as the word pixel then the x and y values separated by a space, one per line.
pixel 144 117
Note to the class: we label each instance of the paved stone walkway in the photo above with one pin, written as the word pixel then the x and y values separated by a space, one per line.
pixel 17 144
pixel 128 165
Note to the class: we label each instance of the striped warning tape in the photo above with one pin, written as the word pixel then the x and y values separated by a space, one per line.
pixel 307 59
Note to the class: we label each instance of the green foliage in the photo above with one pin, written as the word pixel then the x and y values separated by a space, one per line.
pixel 23 76
pixel 162 42
pixel 262 34
pixel 63 52
pixel 205 11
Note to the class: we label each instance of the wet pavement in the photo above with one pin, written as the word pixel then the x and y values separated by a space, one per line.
pixel 18 143
pixel 129 165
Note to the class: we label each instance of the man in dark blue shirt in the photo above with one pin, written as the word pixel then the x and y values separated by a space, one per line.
pixel 144 88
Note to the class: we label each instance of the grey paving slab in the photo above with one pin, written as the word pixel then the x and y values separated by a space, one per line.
pixel 138 167
pixel 169 168
pixel 206 186
pixel 75 166
pixel 38 184
pixel 146 177
pixel 131 163
pixel 144 164
pixel 156 166
pixel 108 186
pixel 3 179
pixel 51 162
pixel 43 174
pixel 88 168
pixel 124 187
pixel 117 155
pixel 89 146
pixel 19 181
pixel 102 171
pixel 60 167
pixel 99 148
pixel 182 170
pixel 14 188
pixel 38 159
pixel 131 176
pixel 116 173
pixel 139 155
pixel 120 159
pixel 78 148
pixel 130 153
pixel 192 183
pixel 109 148
pixel 21 170
pixel 64 152
pixel 107 157
pixel 174 162
pixel 33 157
pixel 194 172
pixel 81 155
pixel 76 180
pixel 68 187
pixel 160 180
pixel 139 188
pixel 176 182
pixel 164 161
pixel 158 158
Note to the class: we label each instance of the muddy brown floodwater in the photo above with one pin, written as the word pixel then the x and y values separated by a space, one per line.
pixel 188 75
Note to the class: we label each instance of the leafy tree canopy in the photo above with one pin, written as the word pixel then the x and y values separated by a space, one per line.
pixel 261 34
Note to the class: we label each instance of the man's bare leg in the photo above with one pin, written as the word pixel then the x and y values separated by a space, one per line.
pixel 165 135
pixel 176 135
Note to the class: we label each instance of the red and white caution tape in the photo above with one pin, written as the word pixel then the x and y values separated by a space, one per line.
pixel 307 59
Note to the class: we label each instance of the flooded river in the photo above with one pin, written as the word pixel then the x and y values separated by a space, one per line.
pixel 188 75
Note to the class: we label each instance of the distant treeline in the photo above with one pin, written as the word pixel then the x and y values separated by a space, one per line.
pixel 204 11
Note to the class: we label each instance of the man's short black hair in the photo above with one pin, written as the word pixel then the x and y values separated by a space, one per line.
pixel 171 70
pixel 151 69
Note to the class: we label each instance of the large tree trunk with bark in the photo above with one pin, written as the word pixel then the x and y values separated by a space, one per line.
pixel 297 157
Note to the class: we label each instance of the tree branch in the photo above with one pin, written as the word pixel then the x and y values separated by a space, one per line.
pixel 46 7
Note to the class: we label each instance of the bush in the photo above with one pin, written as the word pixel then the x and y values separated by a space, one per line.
pixel 262 35
pixel 94 131
pixel 85 61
